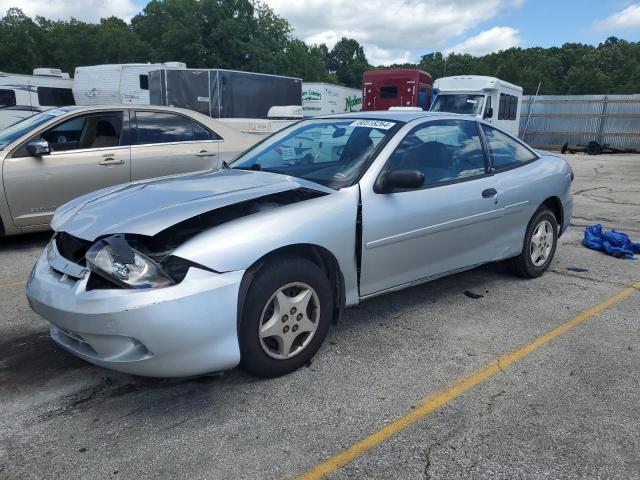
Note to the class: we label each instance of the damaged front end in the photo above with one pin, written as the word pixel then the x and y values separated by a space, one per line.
pixel 130 260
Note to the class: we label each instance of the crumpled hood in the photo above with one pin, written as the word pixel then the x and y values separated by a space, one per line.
pixel 150 206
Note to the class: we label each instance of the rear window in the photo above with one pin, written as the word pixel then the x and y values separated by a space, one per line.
pixel 7 98
pixel 388 92
pixel 55 97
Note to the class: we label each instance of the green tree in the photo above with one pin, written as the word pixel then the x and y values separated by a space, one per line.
pixel 21 41
pixel 348 61
pixel 248 35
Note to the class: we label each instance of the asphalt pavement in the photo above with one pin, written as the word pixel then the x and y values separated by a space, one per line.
pixel 569 408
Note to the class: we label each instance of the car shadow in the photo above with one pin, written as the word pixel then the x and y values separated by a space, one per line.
pixel 25 241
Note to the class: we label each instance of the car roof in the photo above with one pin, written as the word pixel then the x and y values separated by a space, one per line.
pixel 392 115
pixel 119 106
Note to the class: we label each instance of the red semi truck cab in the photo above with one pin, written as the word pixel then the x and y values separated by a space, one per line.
pixel 403 87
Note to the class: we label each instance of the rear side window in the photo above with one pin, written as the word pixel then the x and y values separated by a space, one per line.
pixel 201 134
pixel 388 92
pixel 7 98
pixel 55 97
pixel 505 151
pixel 159 127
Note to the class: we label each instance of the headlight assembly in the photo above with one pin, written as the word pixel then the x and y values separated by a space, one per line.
pixel 114 259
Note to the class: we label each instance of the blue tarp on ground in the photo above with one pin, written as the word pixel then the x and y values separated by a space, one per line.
pixel 613 243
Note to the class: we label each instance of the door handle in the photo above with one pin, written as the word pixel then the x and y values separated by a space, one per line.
pixel 489 193
pixel 204 153
pixel 111 161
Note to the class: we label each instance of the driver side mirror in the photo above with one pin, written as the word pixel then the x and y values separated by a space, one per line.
pixel 393 180
pixel 488 113
pixel 39 147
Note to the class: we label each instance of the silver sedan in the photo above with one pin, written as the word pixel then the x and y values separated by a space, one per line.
pixel 57 155
pixel 251 264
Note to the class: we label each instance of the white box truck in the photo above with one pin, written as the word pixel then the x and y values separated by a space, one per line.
pixel 22 96
pixel 325 99
pixel 125 83
pixel 494 100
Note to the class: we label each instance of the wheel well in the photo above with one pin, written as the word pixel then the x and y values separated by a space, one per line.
pixel 315 253
pixel 555 205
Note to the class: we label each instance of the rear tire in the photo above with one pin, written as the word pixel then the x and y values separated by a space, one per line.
pixel 540 243
pixel 285 317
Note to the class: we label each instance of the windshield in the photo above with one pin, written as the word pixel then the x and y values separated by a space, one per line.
pixel 458 103
pixel 330 152
pixel 23 127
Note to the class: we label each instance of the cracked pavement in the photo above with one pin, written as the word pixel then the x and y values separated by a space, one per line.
pixel 568 410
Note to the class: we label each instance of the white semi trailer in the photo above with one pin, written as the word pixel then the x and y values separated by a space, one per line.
pixel 124 83
pixel 326 99
pixel 494 100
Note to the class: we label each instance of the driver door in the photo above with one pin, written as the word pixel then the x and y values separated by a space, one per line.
pixel 87 152
pixel 451 223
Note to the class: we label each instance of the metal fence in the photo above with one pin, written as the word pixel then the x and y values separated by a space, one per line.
pixel 612 120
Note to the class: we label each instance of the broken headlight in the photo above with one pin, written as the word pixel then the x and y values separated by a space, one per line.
pixel 114 259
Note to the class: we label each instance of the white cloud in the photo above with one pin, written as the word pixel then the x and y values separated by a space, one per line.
pixel 86 10
pixel 489 41
pixel 383 56
pixel 388 29
pixel 623 20
pixel 391 31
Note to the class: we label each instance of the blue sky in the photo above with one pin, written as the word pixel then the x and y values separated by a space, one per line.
pixel 395 31
pixel 547 23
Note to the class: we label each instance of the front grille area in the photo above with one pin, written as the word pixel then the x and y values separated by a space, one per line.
pixel 72 248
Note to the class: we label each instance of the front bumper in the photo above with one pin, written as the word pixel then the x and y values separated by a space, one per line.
pixel 187 329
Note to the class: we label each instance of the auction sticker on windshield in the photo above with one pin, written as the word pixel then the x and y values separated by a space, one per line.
pixel 382 125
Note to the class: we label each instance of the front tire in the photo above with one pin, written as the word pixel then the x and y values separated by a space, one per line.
pixel 540 243
pixel 285 317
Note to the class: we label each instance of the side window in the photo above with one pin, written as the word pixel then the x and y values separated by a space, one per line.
pixel 86 131
pixel 201 134
pixel 159 127
pixel 144 82
pixel 55 97
pixel 503 112
pixel 513 108
pixel 422 98
pixel 7 98
pixel 508 107
pixel 443 150
pixel 505 151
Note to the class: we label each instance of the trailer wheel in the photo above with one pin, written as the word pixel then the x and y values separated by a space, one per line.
pixel 594 148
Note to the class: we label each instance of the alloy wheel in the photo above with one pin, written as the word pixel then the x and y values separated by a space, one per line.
pixel 289 320
pixel 542 242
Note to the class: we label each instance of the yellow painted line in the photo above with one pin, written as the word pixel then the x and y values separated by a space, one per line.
pixel 13 284
pixel 436 400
